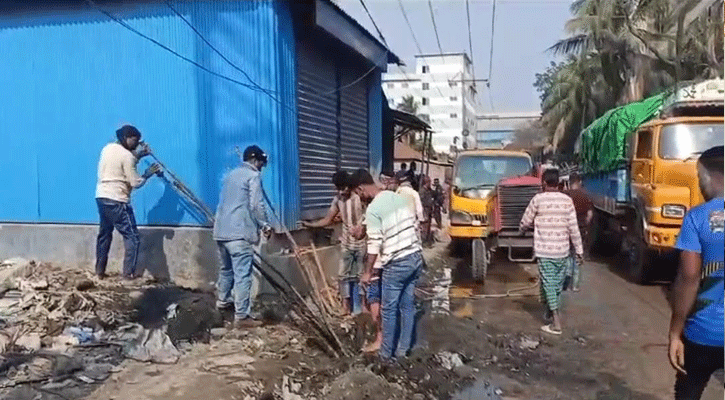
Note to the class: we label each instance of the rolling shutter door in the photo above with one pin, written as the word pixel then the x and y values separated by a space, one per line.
pixel 317 124
pixel 354 120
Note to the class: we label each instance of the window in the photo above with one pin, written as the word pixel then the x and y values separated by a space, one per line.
pixel 454 115
pixel 687 141
pixel 391 85
pixel 644 144
pixel 424 101
pixel 404 85
pixel 426 85
pixel 426 69
pixel 454 98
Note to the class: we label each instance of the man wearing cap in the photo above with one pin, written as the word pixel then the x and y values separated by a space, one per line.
pixel 117 177
pixel 240 217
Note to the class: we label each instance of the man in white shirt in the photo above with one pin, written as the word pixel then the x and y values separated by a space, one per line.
pixel 412 198
pixel 117 177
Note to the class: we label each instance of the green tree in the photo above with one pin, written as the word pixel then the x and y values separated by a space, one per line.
pixel 621 51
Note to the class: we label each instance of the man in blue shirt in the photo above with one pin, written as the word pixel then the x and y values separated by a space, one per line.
pixel 240 217
pixel 696 329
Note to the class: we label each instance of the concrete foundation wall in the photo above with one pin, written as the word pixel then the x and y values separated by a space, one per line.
pixel 187 256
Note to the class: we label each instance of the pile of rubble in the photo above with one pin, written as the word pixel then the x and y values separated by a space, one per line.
pixel 45 306
pixel 65 330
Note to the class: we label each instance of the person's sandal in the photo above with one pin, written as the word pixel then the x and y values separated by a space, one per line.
pixel 550 330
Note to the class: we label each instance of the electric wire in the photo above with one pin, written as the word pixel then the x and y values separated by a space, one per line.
pixel 490 56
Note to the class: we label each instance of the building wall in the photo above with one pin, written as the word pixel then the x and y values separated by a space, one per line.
pixel 442 87
pixel 76 76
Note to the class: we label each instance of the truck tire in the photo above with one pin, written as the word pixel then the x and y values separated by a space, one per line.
pixel 479 260
pixel 602 242
pixel 637 254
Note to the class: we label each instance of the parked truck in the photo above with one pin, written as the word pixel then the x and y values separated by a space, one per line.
pixel 489 194
pixel 639 164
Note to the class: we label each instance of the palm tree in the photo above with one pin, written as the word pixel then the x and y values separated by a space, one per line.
pixel 624 50
pixel 409 105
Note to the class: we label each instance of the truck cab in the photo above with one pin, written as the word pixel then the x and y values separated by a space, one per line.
pixel 476 212
pixel 641 202
pixel 664 180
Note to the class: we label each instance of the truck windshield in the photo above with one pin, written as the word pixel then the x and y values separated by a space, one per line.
pixel 682 141
pixel 482 171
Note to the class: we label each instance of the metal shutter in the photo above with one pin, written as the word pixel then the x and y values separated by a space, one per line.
pixel 317 124
pixel 354 120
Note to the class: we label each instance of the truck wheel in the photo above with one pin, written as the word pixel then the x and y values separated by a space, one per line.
pixel 638 255
pixel 479 260
pixel 601 241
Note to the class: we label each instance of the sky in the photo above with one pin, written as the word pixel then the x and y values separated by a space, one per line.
pixel 524 29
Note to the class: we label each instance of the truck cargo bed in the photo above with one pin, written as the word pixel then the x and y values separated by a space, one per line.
pixel 609 190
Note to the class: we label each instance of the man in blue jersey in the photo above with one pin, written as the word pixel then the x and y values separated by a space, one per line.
pixel 696 329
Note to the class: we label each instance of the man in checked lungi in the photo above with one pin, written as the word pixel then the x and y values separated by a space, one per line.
pixel 553 216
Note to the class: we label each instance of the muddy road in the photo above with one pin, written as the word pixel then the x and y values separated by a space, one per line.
pixel 613 347
pixel 488 347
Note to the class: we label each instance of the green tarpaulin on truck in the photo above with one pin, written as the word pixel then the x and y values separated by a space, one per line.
pixel 604 142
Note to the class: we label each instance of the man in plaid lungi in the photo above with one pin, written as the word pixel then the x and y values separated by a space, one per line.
pixel 553 217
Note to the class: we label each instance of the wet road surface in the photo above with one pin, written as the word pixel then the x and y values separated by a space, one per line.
pixel 614 344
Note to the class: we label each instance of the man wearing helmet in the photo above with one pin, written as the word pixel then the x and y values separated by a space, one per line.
pixel 240 217
pixel 117 177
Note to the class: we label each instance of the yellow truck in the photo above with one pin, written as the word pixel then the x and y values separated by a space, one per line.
pixel 640 168
pixel 489 194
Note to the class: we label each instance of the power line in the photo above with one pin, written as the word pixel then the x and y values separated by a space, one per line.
pixel 435 27
pixel 154 41
pixel 470 39
pixel 375 65
pixel 490 56
pixel 374 24
pixel 415 40
pixel 168 4
pixel 382 38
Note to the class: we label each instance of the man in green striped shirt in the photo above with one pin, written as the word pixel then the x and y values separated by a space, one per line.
pixel 392 238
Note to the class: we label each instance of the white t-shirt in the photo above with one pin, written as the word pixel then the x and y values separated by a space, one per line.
pixel 117 174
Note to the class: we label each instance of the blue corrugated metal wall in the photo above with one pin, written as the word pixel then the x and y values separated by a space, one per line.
pixel 375 123
pixel 70 81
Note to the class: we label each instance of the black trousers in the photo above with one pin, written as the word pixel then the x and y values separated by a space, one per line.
pixel 700 363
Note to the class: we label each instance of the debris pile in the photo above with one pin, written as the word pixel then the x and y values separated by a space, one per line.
pixel 45 306
pixel 64 330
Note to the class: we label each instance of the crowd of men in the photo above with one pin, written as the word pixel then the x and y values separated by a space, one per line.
pixel 387 221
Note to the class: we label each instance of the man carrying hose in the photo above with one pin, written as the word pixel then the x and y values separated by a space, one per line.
pixel 117 177
pixel 240 217
pixel 349 208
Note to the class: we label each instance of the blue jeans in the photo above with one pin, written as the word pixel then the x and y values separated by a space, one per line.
pixel 114 214
pixel 398 303
pixel 235 276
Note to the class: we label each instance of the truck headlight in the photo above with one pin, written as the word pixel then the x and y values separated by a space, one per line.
pixel 460 218
pixel 673 211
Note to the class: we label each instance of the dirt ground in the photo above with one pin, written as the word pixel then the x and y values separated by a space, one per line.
pixel 489 347
pixel 613 346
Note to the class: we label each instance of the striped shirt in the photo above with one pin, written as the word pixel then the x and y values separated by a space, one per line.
pixel 391 228
pixel 555 225
pixel 351 213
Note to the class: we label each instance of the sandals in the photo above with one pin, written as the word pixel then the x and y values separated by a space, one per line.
pixel 550 330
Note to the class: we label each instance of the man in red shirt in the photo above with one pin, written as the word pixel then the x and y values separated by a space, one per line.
pixel 584 215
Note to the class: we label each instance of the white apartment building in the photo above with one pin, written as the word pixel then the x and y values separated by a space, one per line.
pixel 444 88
